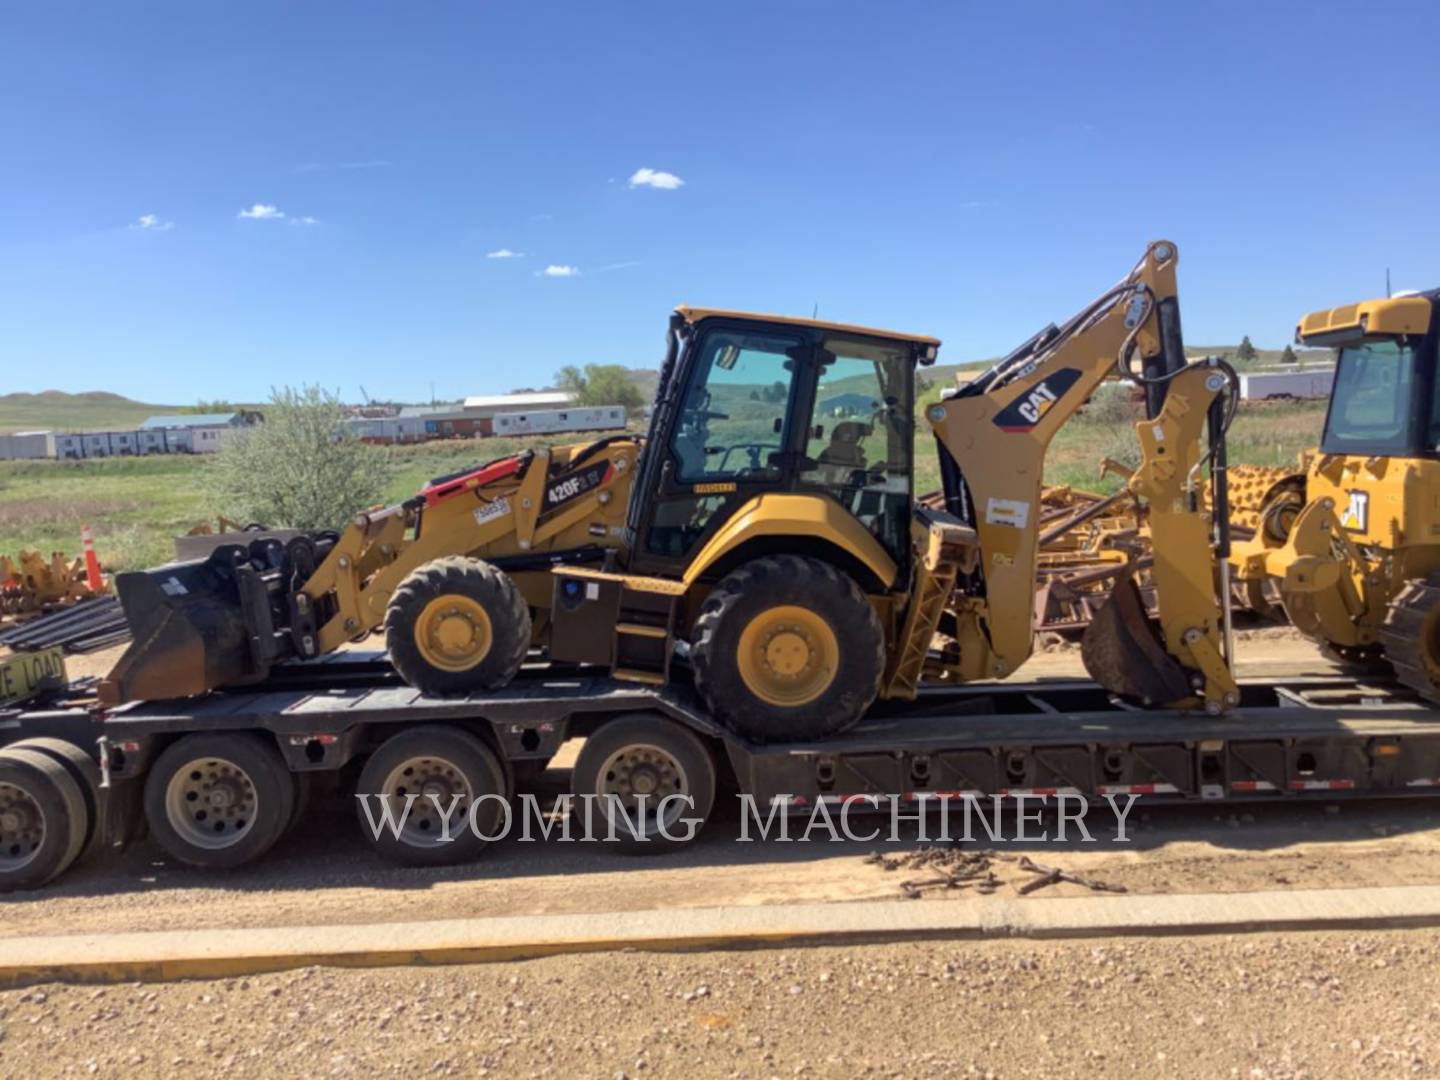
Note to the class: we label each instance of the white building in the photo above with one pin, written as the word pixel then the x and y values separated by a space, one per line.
pixel 27 444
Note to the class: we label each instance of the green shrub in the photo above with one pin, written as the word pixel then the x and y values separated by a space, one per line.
pixel 300 468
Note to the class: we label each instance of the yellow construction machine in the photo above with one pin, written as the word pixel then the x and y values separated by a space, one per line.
pixel 1353 545
pixel 765 534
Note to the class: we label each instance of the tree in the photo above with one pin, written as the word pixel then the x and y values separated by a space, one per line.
pixel 1246 352
pixel 300 469
pixel 600 384
pixel 1288 356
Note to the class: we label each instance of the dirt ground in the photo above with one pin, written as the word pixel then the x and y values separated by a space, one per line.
pixel 1262 1007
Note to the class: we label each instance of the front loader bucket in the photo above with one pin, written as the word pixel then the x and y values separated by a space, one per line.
pixel 1123 652
pixel 197 625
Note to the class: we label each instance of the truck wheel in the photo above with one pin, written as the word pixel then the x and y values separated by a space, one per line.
pixel 42 819
pixel 86 774
pixel 417 778
pixel 1411 636
pixel 218 801
pixel 788 648
pixel 457 625
pixel 649 756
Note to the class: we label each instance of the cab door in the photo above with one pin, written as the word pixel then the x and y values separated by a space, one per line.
pixel 732 435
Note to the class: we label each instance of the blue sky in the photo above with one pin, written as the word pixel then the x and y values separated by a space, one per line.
pixel 969 170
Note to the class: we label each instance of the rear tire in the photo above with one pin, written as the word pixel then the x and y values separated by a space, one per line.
pixel 787 649
pixel 457 625
pixel 1411 636
pixel 42 819
pixel 218 801
pixel 433 760
pixel 648 755
pixel 84 770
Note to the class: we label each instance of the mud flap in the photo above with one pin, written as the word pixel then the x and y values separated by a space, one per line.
pixel 196 625
pixel 1123 652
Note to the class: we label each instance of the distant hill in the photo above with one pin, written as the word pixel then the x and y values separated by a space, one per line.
pixel 92 410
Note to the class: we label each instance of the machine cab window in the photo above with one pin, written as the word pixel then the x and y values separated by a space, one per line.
pixel 1371 404
pixel 859 445
pixel 734 418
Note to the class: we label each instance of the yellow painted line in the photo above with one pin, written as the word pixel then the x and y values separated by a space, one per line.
pixel 180 954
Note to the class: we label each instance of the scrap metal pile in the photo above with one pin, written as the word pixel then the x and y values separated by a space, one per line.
pixel 1088 540
pixel 32 585
pixel 46 602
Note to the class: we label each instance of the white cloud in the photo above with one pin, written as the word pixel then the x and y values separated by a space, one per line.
pixel 504 253
pixel 152 223
pixel 654 178
pixel 305 220
pixel 560 271
pixel 263 212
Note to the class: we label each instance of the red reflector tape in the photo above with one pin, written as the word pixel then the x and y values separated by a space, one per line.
pixel 1252 785
pixel 1321 785
pixel 1138 789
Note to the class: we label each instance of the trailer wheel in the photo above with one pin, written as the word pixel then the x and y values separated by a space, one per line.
pixel 457 625
pixel 42 819
pixel 218 801
pixel 651 757
pixel 425 777
pixel 86 774
pixel 788 648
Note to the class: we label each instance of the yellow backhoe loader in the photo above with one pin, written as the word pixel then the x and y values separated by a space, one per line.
pixel 1353 545
pixel 765 534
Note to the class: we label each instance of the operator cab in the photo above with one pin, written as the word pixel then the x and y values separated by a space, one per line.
pixel 1386 400
pixel 755 404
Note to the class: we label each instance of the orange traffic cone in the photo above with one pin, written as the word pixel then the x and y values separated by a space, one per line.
pixel 92 564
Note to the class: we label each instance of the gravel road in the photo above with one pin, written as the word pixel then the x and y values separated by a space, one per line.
pixel 1265 1006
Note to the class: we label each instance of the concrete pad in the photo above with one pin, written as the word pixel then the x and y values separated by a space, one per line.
pixel 169 955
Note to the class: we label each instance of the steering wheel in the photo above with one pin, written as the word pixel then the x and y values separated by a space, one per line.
pixel 753 449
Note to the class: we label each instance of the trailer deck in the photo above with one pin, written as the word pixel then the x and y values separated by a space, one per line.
pixel 1325 737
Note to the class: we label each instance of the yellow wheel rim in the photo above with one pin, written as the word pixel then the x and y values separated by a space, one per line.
pixel 453 633
pixel 788 656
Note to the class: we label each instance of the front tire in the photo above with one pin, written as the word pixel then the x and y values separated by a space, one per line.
pixel 457 625
pixel 788 649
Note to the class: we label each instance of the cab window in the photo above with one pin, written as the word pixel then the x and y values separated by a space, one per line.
pixel 735 414
pixel 1370 406
pixel 860 441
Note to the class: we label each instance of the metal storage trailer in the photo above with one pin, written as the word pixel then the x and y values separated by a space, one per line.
pixel 544 421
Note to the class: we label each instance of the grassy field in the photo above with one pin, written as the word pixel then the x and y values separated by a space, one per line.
pixel 136 506
pixel 54 410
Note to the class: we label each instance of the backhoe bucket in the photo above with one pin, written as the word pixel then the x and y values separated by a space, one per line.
pixel 1123 652
pixel 197 625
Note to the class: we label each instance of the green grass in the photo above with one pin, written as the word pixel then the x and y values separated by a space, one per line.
pixel 137 506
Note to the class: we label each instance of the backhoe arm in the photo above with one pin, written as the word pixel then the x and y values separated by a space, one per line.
pixel 993 437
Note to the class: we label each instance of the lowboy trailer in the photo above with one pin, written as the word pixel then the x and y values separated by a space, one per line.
pixel 218 779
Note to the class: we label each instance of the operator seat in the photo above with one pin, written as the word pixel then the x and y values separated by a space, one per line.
pixel 846 453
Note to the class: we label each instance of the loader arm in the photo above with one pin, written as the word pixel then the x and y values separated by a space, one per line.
pixel 993 437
